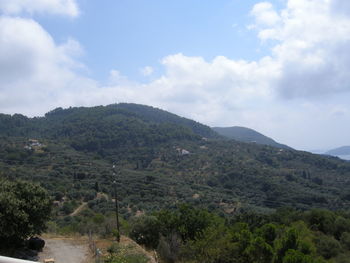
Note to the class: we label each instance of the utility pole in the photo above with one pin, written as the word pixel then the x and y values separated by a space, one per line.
pixel 116 202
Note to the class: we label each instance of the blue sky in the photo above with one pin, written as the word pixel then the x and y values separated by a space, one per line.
pixel 278 66
pixel 131 34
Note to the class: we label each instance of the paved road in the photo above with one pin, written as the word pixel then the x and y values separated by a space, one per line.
pixel 65 251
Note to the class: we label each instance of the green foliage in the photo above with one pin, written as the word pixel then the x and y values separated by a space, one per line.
pixel 259 251
pixel 187 221
pixel 129 258
pixel 78 146
pixel 125 254
pixel 213 246
pixel 169 248
pixel 321 220
pixel 327 246
pixel 154 173
pixel 236 241
pixel 268 232
pixel 145 231
pixel 24 210
pixel 345 240
pixel 247 135
pixel 289 241
pixel 294 256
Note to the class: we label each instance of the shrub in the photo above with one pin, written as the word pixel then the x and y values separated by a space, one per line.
pixel 145 231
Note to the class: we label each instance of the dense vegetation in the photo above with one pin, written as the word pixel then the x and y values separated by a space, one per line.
pixel 193 235
pixel 162 160
pixel 243 134
pixel 24 210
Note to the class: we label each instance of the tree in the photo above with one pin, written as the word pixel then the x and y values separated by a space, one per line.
pixel 294 256
pixel 187 221
pixel 214 245
pixel 269 233
pixel 259 251
pixel 24 209
pixel 145 231
pixel 289 241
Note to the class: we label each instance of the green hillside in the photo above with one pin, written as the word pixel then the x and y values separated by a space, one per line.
pixel 243 134
pixel 163 161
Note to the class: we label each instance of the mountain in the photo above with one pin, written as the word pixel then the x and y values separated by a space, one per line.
pixel 344 150
pixel 115 114
pixel 161 160
pixel 243 134
pixel 113 130
pixel 341 152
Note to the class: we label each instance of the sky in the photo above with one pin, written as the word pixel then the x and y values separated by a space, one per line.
pixel 280 67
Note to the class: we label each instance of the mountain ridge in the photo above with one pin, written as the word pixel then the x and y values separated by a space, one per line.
pixel 248 135
pixel 161 162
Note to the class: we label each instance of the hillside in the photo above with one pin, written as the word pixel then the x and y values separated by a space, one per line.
pixel 161 162
pixel 247 135
pixel 67 122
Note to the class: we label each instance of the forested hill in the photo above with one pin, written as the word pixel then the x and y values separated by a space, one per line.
pixel 163 159
pixel 67 122
pixel 108 130
pixel 243 134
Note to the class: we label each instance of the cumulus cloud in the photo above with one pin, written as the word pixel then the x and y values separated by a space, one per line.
pixel 309 59
pixel 35 71
pixel 303 82
pixel 292 87
pixel 265 14
pixel 221 85
pixel 61 7
pixel 312 46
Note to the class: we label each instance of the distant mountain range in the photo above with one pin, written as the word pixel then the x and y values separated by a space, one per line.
pixel 344 150
pixel 341 152
pixel 243 134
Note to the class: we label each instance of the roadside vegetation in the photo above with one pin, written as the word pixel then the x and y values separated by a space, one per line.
pixel 186 234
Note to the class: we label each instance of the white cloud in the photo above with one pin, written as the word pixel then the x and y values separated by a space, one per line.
pixel 35 72
pixel 300 88
pixel 265 14
pixel 147 71
pixel 290 90
pixel 312 50
pixel 115 77
pixel 61 7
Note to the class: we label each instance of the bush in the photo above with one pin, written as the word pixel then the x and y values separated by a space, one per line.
pixel 327 246
pixel 345 240
pixel 24 210
pixel 125 254
pixel 145 231
pixel 169 248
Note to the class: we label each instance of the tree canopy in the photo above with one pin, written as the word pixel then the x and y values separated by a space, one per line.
pixel 24 209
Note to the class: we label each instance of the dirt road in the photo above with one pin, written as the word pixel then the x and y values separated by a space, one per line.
pixel 65 250
pixel 78 209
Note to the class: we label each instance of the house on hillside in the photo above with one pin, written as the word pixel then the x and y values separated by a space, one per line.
pixel 33 144
pixel 182 151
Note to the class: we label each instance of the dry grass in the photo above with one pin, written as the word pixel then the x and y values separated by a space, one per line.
pixel 132 246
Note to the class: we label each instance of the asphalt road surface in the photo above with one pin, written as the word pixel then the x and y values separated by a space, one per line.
pixel 65 251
